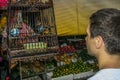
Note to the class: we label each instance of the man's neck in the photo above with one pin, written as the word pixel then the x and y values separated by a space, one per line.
pixel 109 61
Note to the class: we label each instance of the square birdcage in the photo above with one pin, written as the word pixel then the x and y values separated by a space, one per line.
pixel 31 28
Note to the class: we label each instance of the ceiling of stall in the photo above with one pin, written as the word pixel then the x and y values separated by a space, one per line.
pixel 72 15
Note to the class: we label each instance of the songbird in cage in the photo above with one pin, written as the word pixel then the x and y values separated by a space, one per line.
pixel 40 29
pixel 14 32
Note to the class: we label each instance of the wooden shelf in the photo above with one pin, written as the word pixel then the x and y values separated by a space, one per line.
pixel 33 52
pixel 38 6
pixel 41 57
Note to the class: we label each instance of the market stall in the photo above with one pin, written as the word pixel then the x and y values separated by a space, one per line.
pixel 45 39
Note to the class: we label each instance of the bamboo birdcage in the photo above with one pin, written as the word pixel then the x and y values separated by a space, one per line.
pixel 31 28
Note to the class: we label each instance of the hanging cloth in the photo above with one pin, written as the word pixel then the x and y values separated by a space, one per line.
pixel 3 3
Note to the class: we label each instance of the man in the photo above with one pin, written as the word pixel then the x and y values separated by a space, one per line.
pixel 103 42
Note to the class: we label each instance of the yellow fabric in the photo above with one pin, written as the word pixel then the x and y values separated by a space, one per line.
pixel 72 16
pixel 66 18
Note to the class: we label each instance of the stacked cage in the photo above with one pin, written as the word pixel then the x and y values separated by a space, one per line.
pixel 31 35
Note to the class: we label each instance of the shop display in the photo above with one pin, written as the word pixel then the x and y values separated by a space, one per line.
pixel 73 68
pixel 67 49
pixel 65 58
pixel 31 38
pixel 32 68
pixel 74 60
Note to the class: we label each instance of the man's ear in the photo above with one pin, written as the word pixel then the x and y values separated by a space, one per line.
pixel 99 42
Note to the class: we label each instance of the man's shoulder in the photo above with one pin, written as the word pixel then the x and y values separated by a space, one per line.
pixel 107 74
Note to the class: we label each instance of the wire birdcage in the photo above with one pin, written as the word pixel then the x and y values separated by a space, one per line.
pixel 31 28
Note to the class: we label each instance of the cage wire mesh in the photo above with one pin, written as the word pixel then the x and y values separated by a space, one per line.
pixel 31 28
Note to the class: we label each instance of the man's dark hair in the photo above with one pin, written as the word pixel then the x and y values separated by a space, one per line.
pixel 106 23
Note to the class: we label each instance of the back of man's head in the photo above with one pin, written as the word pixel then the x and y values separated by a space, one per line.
pixel 106 23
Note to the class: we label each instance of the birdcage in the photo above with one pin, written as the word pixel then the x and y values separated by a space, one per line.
pixel 31 32
pixel 31 28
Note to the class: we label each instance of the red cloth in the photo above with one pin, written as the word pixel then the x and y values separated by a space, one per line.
pixel 3 3
pixel 7 78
